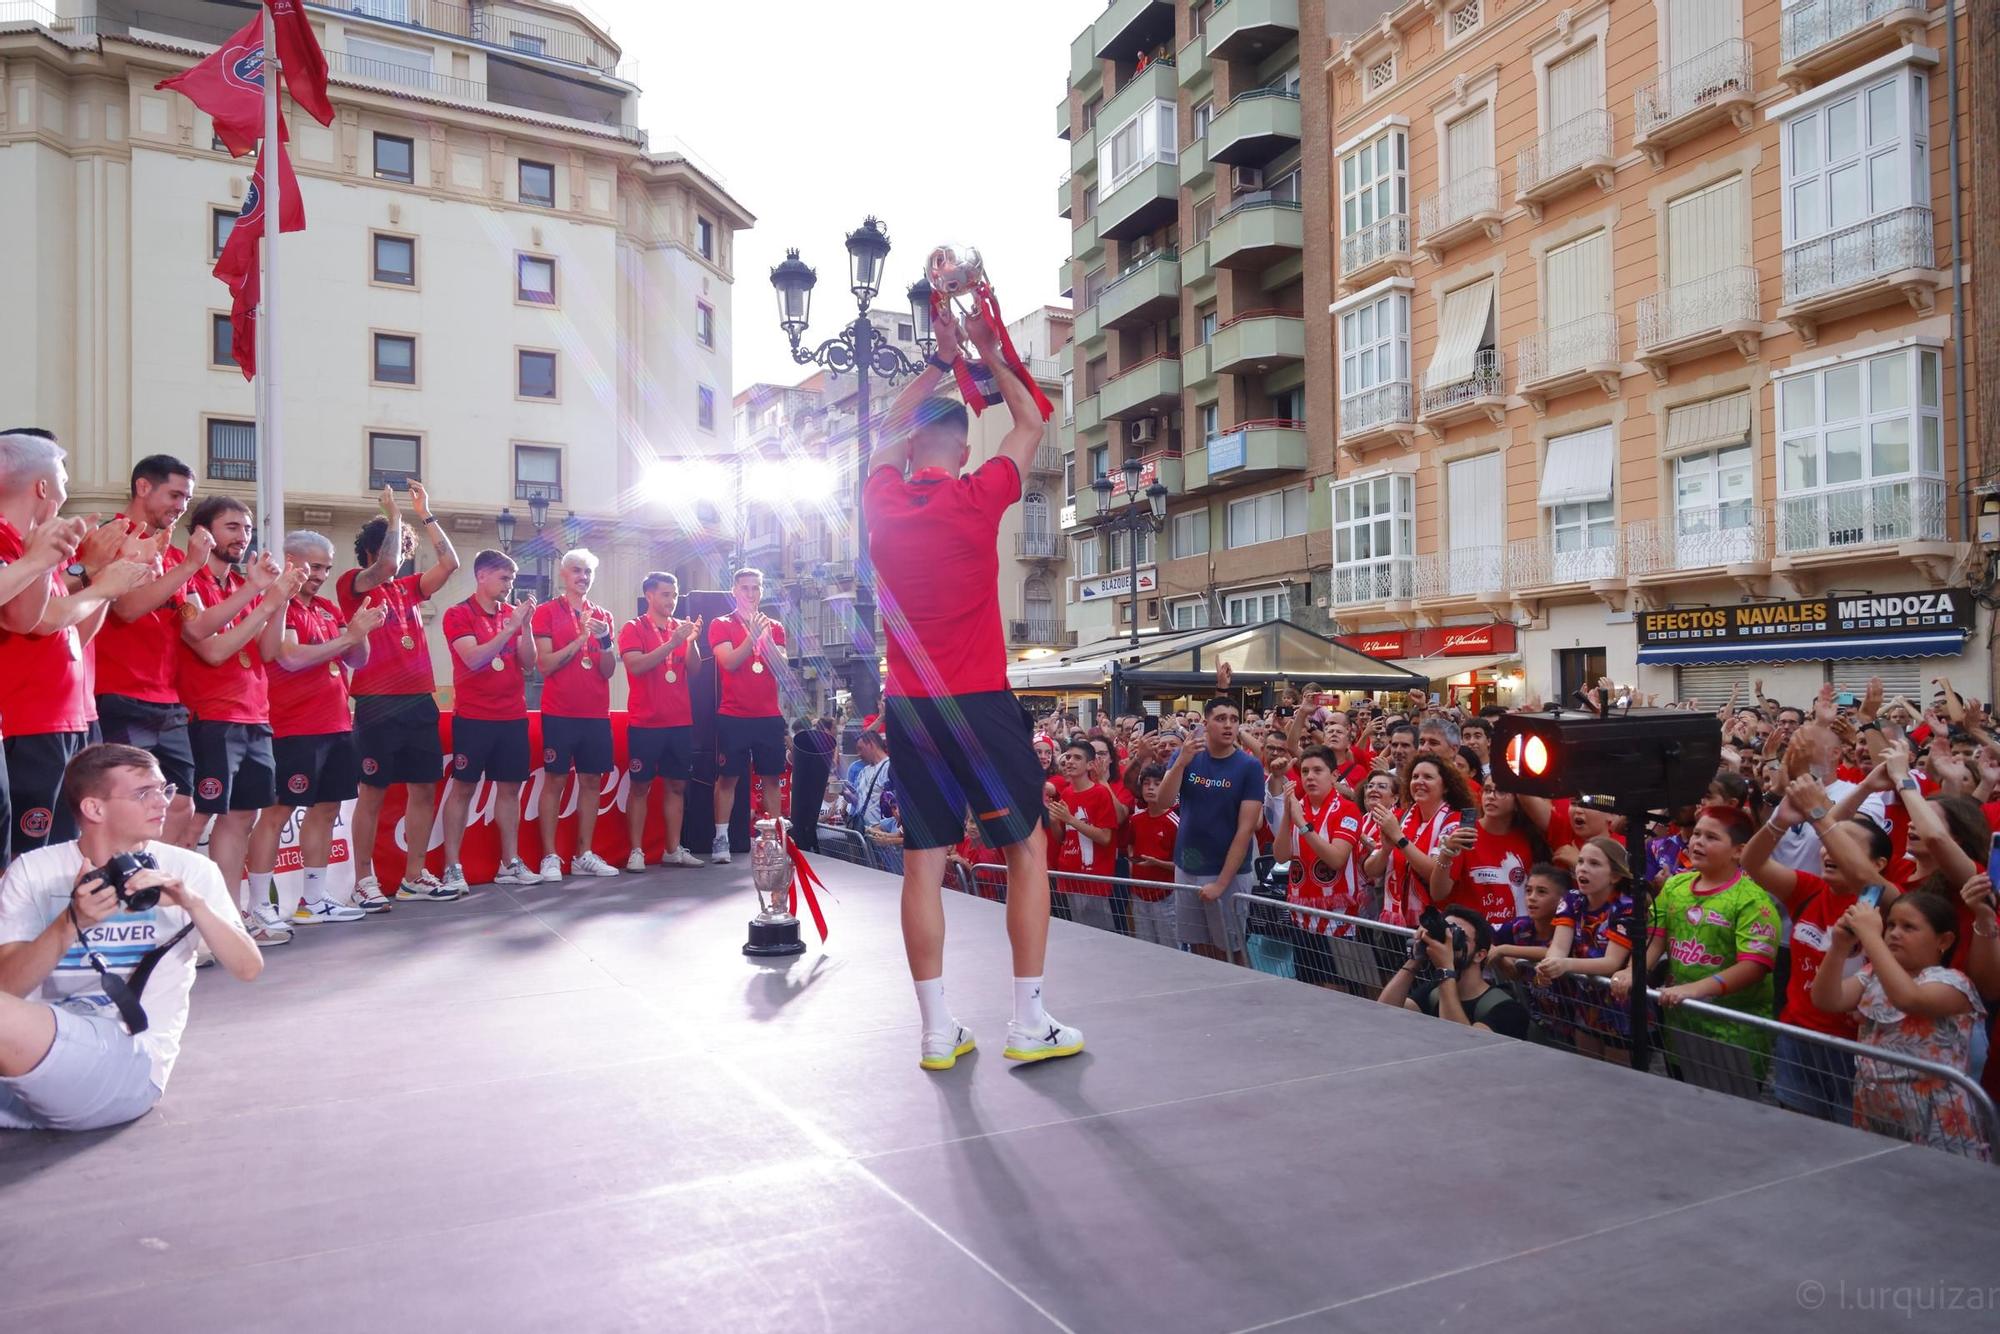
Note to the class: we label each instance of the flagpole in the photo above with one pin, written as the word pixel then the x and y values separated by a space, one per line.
pixel 270 451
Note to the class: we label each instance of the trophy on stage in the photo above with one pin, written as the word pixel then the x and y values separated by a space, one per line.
pixel 959 287
pixel 773 931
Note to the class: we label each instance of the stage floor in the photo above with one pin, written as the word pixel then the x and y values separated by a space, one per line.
pixel 581 1109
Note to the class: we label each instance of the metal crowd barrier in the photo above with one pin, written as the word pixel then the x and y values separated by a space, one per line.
pixel 1153 910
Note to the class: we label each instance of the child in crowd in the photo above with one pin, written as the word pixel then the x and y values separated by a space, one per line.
pixel 1521 944
pixel 1592 939
pixel 1153 840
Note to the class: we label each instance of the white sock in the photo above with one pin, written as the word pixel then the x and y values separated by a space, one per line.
pixel 260 890
pixel 315 878
pixel 288 899
pixel 1028 1012
pixel 930 1001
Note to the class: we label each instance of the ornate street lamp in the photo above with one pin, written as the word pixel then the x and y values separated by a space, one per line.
pixel 1133 519
pixel 503 528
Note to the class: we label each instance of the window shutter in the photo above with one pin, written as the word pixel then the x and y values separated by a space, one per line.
pixel 1579 279
pixel 1462 326
pixel 1475 500
pixel 1705 232
pixel 1695 26
pixel 1469 144
pixel 1576 85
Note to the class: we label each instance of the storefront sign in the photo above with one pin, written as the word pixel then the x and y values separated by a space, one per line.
pixel 1113 585
pixel 1381 644
pixel 1866 615
pixel 1448 641
pixel 1068 516
pixel 1225 452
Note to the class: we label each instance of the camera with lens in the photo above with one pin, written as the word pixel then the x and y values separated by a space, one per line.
pixel 120 869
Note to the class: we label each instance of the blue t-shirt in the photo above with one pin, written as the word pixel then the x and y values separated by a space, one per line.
pixel 1212 792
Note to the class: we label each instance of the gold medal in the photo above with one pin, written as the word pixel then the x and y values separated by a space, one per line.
pixel 671 678
pixel 588 664
pixel 408 642
pixel 243 658
pixel 500 663
pixel 333 669
pixel 755 667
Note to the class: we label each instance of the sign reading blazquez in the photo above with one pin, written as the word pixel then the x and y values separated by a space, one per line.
pixel 1870 616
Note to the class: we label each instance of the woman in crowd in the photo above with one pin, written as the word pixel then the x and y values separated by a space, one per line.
pixel 1484 865
pixel 1437 793
pixel 1911 1003
pixel 1593 939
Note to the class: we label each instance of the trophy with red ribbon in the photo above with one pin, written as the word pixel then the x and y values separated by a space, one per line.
pixel 959 286
pixel 781 874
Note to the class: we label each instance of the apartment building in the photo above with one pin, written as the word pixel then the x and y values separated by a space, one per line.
pixel 1647 364
pixel 1195 266
pixel 502 291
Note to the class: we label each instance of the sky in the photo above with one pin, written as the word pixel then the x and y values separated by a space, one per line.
pixel 936 116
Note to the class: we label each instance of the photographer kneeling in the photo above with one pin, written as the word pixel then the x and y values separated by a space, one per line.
pixel 1461 994
pixel 95 930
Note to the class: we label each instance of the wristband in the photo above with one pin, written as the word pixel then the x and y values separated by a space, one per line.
pixel 1402 843
pixel 430 518
pixel 938 363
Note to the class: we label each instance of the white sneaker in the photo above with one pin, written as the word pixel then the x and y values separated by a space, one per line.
pixel 940 1051
pixel 1045 1043
pixel 513 872
pixel 326 910
pixel 591 864
pixel 453 885
pixel 680 857
pixel 718 852
pixel 552 868
pixel 368 895
pixel 428 887
pixel 637 861
pixel 266 931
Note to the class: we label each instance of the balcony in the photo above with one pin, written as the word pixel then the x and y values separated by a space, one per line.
pixel 1392 580
pixel 1039 545
pixel 1195 267
pixel 1888 258
pixel 1573 154
pixel 1836 521
pixel 1254 449
pixel 1480 394
pixel 1194 166
pixel 1374 251
pixel 1089 417
pixel 1142 201
pixel 1258 341
pixel 1197 365
pixel 1470 204
pixel 1041 631
pixel 1048 461
pixel 1550 562
pixel 1154 385
pixel 1062 118
pixel 1162 467
pixel 1479 573
pixel 1191 64
pixel 1065 284
pixel 1083 154
pixel 1251 29
pixel 1255 127
pixel 1087 329
pixel 1692 98
pixel 1823 37
pixel 1144 293
pixel 1569 357
pixel 1383 415
pixel 1084 241
pixel 1065 197
pixel 1084 68
pixel 1155 83
pixel 1257 232
pixel 1132 25
pixel 1693 319
pixel 1733 538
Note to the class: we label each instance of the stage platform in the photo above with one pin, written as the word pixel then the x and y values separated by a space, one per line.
pixel 581 1108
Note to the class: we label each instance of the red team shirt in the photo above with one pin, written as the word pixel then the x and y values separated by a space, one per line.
pixel 139 659
pixel 1154 836
pixel 574 691
pixel 496 692
pixel 44 687
pixel 393 668
pixel 312 702
pixel 1492 878
pixel 236 690
pixel 1404 896
pixel 1094 807
pixel 934 539
pixel 1316 885
pixel 1815 907
pixel 747 692
pixel 658 698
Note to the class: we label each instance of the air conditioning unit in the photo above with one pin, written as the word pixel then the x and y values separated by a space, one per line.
pixel 1243 179
pixel 1142 432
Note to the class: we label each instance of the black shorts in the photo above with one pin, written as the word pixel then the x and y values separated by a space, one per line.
pixel 161 730
pixel 659 752
pixel 396 737
pixel 579 744
pixel 35 767
pixel 484 749
pixel 234 769
pixel 312 769
pixel 960 754
pixel 757 742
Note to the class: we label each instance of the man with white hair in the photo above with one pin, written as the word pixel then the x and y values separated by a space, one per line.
pixel 573 646
pixel 46 702
pixel 312 734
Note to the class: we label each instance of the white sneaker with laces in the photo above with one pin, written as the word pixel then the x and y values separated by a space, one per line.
pixel 453 885
pixel 368 895
pixel 326 910
pixel 552 868
pixel 264 930
pixel 435 891
pixel 637 861
pixel 680 857
pixel 718 851
pixel 513 872
pixel 591 864
pixel 1046 1042
pixel 940 1051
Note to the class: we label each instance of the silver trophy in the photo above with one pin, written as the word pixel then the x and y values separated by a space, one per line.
pixel 773 931
pixel 957 273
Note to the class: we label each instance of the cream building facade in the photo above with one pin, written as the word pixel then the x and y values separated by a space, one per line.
pixel 501 290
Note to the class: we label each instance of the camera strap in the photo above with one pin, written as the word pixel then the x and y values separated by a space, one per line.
pixel 125 992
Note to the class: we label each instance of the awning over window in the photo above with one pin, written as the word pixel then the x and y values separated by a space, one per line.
pixel 1577 469
pixel 1945 644
pixel 1461 329
pixel 1713 423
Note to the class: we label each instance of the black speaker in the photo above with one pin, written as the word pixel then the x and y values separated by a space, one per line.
pixel 704 696
pixel 1647 759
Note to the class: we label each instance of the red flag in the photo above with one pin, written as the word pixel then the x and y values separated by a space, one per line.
pixel 303 61
pixel 239 252
pixel 243 318
pixel 229 86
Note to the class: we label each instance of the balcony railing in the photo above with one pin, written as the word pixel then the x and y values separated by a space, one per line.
pixel 1581 139
pixel 1048 461
pixel 1169 255
pixel 1462 571
pixel 1038 630
pixel 340 64
pixel 1691 85
pixel 481 24
pixel 1484 382
pixel 1884 244
pixel 1553 353
pixel 1383 240
pixel 1384 405
pixel 1911 509
pixel 1735 534
pixel 1471 194
pixel 1542 562
pixel 1038 545
pixel 1811 24
pixel 1390 580
pixel 1688 309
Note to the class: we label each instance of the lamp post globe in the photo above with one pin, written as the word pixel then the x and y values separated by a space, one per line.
pixel 867 248
pixel 538 512
pixel 1132 469
pixel 920 316
pixel 503 528
pixel 793 281
pixel 1156 500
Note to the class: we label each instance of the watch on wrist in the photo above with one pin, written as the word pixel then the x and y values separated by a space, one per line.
pixel 1910 783
pixel 938 363
pixel 75 570
pixel 430 518
pixel 1816 814
pixel 1447 974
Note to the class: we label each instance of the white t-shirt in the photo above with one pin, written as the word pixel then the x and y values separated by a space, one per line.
pixel 36 891
pixel 1799 846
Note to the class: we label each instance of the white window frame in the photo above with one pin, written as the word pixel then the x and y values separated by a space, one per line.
pixel 1268 604
pixel 1210 420
pixel 1893 171
pixel 1145 138
pixel 1269 516
pixel 1188 614
pixel 1084 552
pixel 1187 534
pixel 1808 388
pixel 1371 514
pixel 1119 554
pixel 1374 334
pixel 1387 160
